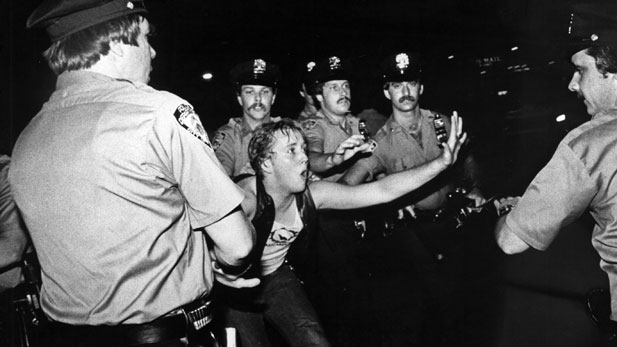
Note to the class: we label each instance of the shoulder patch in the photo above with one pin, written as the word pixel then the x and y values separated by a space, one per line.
pixel 309 124
pixel 190 121
pixel 219 137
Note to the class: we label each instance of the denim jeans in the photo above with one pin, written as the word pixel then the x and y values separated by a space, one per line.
pixel 285 307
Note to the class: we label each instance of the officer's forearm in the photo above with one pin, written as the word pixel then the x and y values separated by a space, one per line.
pixel 13 243
pixel 508 241
pixel 354 176
pixel 233 237
pixel 321 162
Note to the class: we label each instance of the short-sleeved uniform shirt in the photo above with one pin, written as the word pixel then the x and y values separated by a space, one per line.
pixel 10 222
pixel 231 145
pixel 112 179
pixel 581 175
pixel 398 150
pixel 323 135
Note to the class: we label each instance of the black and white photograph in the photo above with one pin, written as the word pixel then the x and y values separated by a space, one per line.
pixel 321 173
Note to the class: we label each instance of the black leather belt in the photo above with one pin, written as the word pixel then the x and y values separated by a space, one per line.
pixel 173 326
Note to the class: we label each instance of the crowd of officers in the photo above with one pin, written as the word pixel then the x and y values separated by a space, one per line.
pixel 311 230
pixel 341 149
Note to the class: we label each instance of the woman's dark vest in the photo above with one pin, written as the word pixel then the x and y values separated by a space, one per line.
pixel 301 254
pixel 300 250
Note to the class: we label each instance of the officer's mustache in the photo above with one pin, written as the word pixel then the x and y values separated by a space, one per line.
pixel 406 98
pixel 343 99
pixel 257 105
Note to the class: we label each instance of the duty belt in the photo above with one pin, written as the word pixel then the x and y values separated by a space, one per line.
pixel 174 325
pixel 387 224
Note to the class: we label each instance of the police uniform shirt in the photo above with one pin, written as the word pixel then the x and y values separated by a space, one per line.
pixel 579 176
pixel 231 145
pixel 9 217
pixel 324 135
pixel 112 179
pixel 10 221
pixel 398 150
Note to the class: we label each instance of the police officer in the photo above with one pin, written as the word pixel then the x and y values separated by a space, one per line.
pixel 580 175
pixel 118 185
pixel 333 134
pixel 255 82
pixel 409 138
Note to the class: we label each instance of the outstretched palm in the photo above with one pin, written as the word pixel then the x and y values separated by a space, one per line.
pixel 455 140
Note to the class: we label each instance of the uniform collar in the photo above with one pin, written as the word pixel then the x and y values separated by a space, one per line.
pixel 80 76
pixel 322 114
pixel 68 78
pixel 393 126
pixel 244 128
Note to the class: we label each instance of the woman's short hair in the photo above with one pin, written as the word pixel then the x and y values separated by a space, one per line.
pixel 260 146
pixel 84 48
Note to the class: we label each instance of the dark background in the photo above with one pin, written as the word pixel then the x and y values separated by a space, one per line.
pixel 512 135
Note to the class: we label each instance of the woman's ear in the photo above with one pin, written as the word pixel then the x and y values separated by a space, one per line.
pixel 266 166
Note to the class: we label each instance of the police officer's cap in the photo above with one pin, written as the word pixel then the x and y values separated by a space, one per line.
pixel 330 69
pixel 64 17
pixel 255 72
pixel 592 24
pixel 308 74
pixel 400 67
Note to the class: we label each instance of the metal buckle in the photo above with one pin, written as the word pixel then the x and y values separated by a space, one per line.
pixel 199 317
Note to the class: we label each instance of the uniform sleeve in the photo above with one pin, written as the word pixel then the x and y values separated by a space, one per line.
pixel 558 195
pixel 315 134
pixel 13 236
pixel 9 215
pixel 209 192
pixel 222 144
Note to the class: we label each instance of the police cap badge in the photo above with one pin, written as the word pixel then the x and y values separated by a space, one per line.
pixel 330 69
pixel 255 72
pixel 402 66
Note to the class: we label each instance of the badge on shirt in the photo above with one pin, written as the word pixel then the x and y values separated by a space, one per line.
pixel 309 124
pixel 190 121
pixel 219 137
